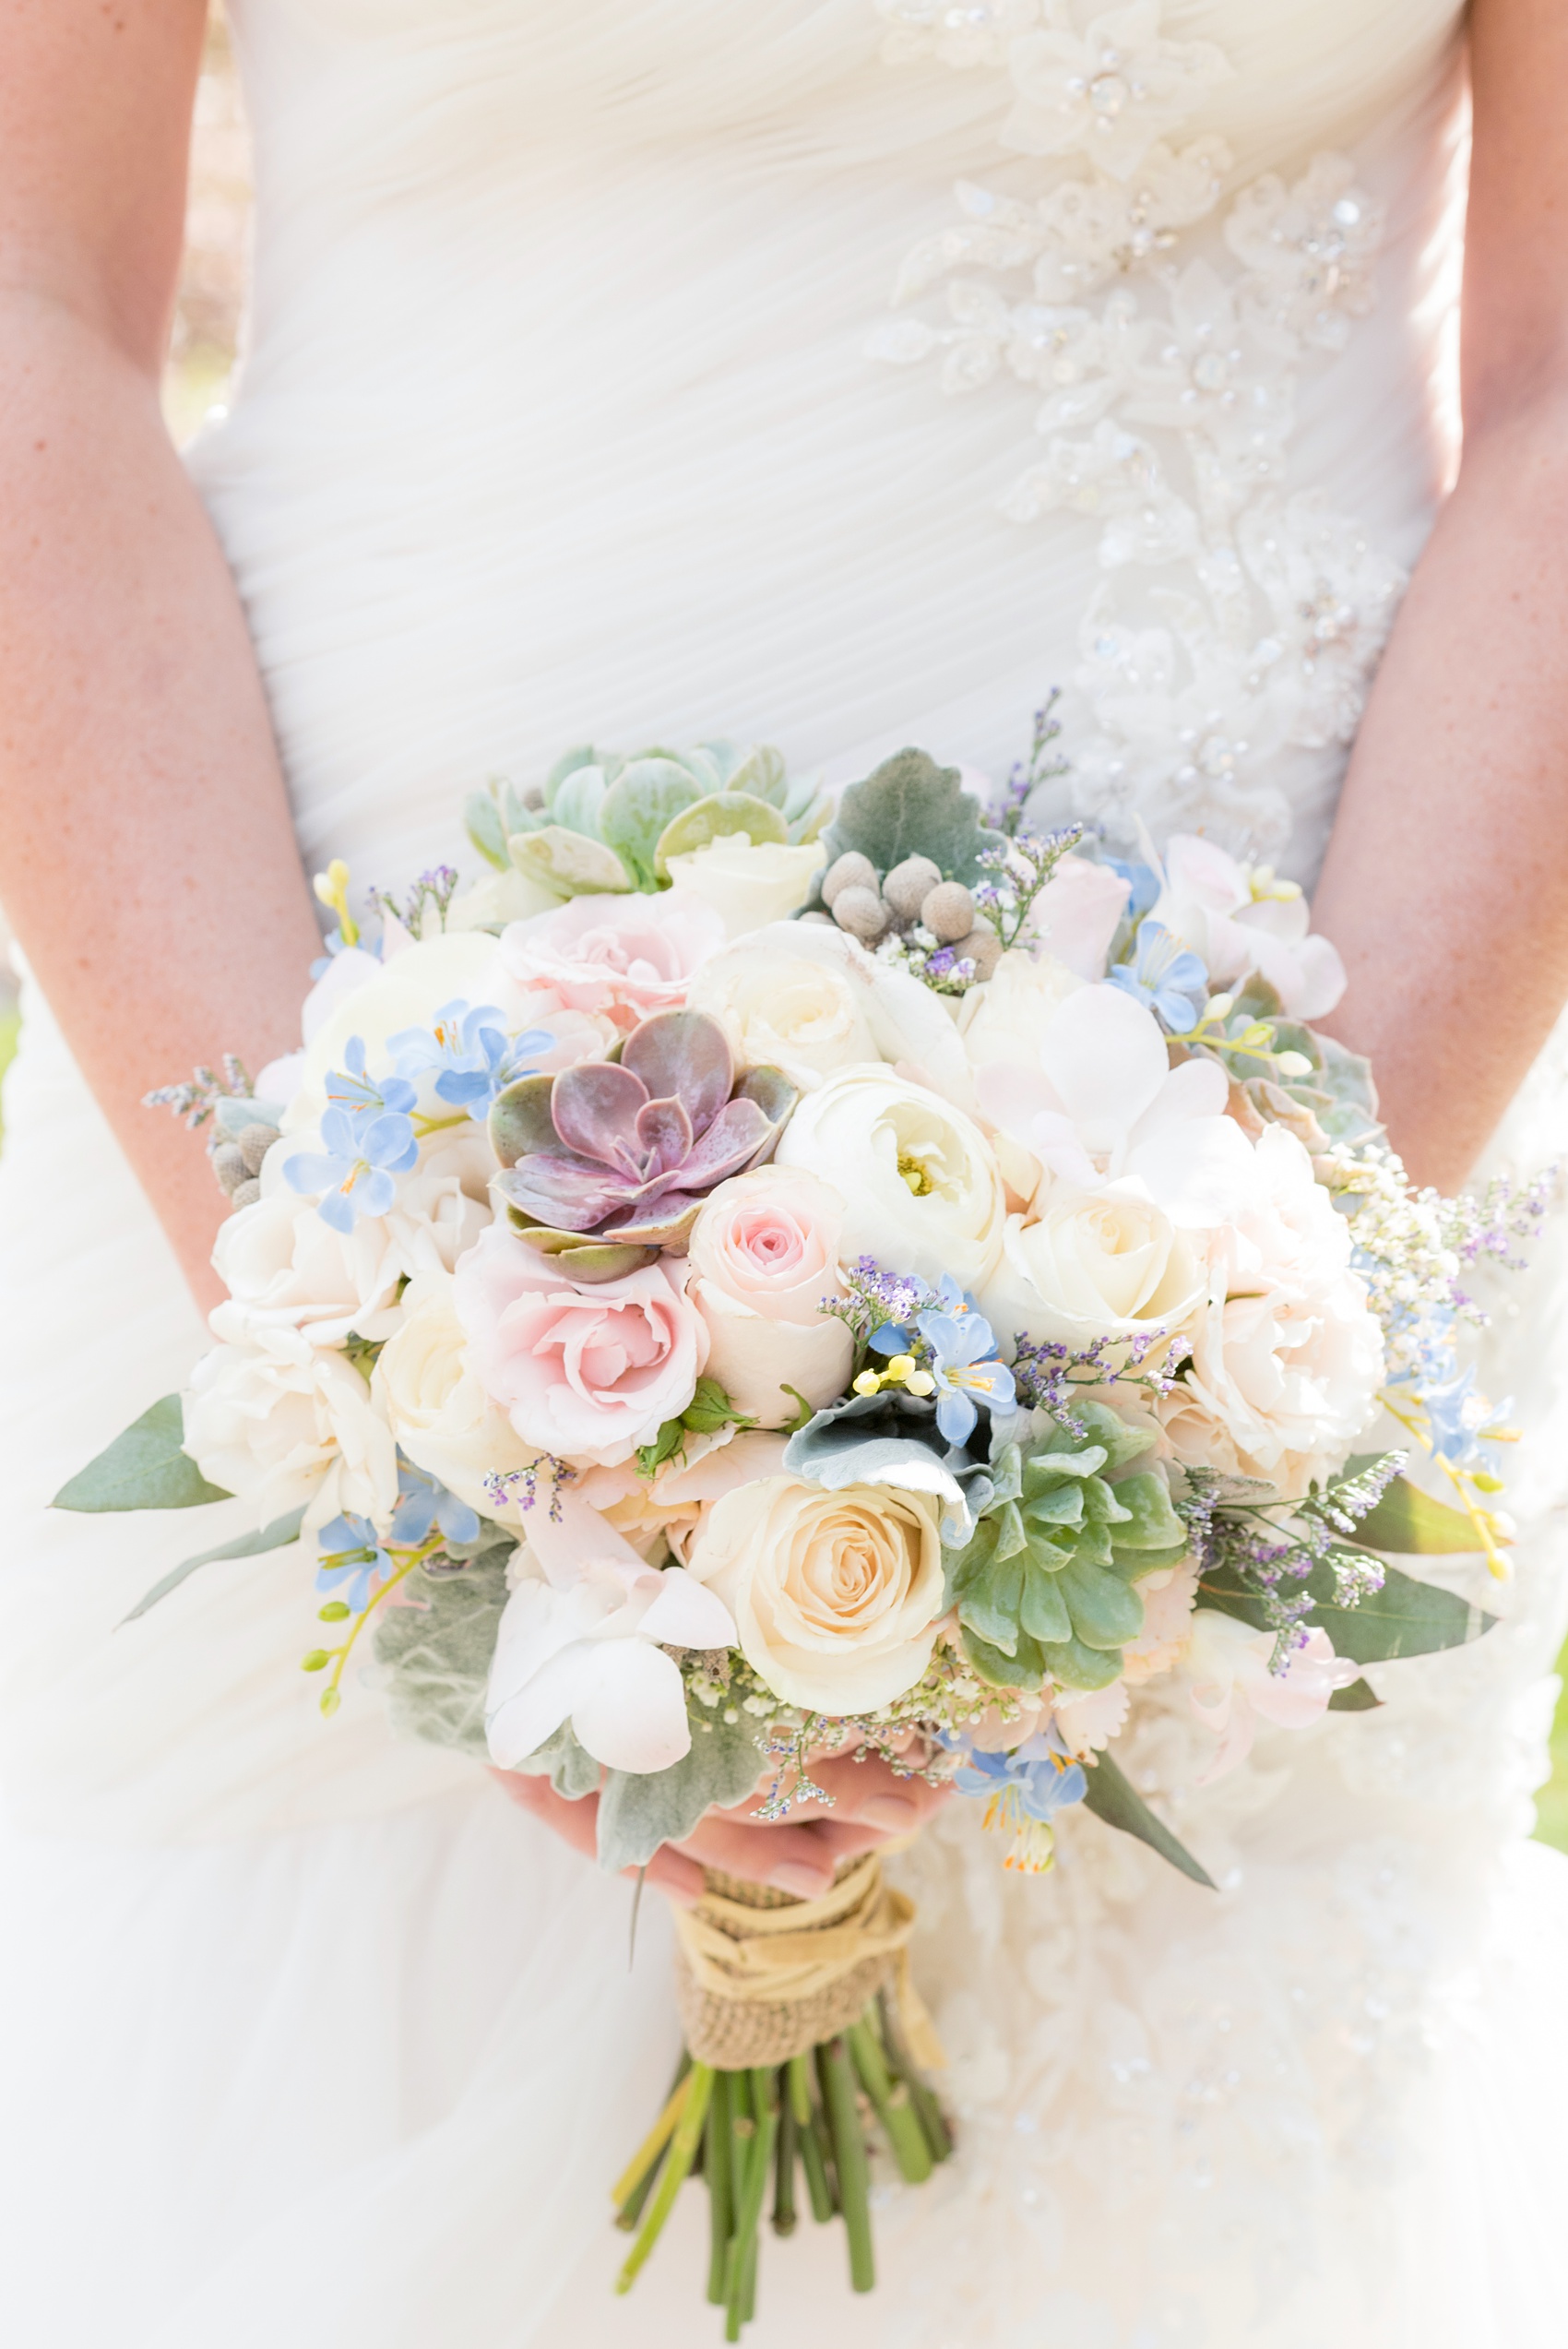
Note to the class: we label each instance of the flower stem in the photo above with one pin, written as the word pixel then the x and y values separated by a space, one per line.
pixel 784 2173
pixel 901 2121
pixel 849 2158
pixel 934 2120
pixel 683 2146
pixel 653 2144
pixel 809 2134
pixel 720 2188
pixel 750 2190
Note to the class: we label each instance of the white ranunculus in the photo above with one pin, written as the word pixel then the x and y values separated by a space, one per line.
pixel 1007 1018
pixel 407 992
pixel 1097 1264
pixel 837 1595
pixel 804 998
pixel 1287 1354
pixel 921 1189
pixel 583 1639
pixel 1097 1101
pixel 434 1404
pixel 276 1419
pixel 763 1258
pixel 282 1264
pixel 750 883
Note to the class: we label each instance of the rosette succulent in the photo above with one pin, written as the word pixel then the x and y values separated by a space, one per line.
pixel 608 1161
pixel 1043 1588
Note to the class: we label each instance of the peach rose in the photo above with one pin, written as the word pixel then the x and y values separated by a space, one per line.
pixel 587 1374
pixel 763 1253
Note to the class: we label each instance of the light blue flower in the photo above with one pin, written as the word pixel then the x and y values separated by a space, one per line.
pixel 350 1560
pixel 363 1149
pixel 350 1089
pixel 1043 1776
pixel 423 1503
pixel 1143 885
pixel 1166 977
pixel 963 1362
pixel 1458 1417
pixel 470 1048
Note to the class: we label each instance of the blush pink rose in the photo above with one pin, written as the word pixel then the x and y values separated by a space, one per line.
pixel 763 1258
pixel 586 1373
pixel 622 957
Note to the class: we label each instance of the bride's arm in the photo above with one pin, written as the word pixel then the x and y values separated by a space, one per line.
pixel 148 862
pixel 1447 883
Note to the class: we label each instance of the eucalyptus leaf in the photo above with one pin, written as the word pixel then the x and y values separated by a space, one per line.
pixel 1360 1696
pixel 1405 1618
pixel 910 807
pixel 1112 1797
pixel 276 1537
pixel 1410 1522
pixel 637 1813
pixel 144 1468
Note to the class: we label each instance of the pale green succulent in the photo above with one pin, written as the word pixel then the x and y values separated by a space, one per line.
pixel 607 823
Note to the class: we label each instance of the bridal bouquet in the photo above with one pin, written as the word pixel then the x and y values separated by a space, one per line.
pixel 756 1278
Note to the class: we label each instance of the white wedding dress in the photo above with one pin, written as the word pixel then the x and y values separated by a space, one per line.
pixel 568 410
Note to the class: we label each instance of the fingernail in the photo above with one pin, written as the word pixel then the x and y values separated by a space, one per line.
pixel 895 1814
pixel 794 1875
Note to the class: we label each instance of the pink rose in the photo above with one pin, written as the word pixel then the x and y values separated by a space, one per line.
pixel 763 1255
pixel 587 1374
pixel 623 956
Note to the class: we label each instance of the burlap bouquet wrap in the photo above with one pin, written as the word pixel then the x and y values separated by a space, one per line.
pixel 760 1978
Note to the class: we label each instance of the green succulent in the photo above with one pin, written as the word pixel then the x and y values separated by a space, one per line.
pixel 606 823
pixel 1044 1586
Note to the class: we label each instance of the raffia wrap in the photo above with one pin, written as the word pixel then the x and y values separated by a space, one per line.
pixel 760 1978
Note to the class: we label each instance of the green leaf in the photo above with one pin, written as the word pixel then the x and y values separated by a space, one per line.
pixel 639 809
pixel 1411 1522
pixel 1024 1670
pixel 712 818
pixel 1074 1665
pixel 637 1814
pixel 665 1445
pixel 144 1468
pixel 910 807
pixel 762 772
pixel 481 820
pixel 710 1409
pixel 1358 1697
pixel 568 862
pixel 1405 1618
pixel 582 754
pixel 437 1653
pixel 1152 1523
pixel 521 1120
pixel 577 801
pixel 570 1768
pixel 276 1537
pixel 1113 1799
pixel 1105 1613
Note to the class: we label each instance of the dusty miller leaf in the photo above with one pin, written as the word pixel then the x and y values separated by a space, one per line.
pixel 637 1814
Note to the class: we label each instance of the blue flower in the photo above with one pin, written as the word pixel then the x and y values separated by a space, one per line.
pixel 1042 1774
pixel 1166 977
pixel 363 1149
pixel 1457 1419
pixel 350 1089
pixel 1143 885
pixel 424 1502
pixel 963 1362
pixel 352 1560
pixel 470 1048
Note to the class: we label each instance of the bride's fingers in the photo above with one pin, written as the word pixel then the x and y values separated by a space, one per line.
pixel 790 1859
pixel 872 1795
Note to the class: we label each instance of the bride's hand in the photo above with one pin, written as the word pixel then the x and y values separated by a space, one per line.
pixel 871 1805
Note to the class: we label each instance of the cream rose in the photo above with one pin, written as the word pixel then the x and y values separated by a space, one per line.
pixel 433 1400
pixel 763 1256
pixel 804 998
pixel 1101 1264
pixel 836 1596
pixel 1007 1020
pixel 749 883
pixel 923 1188
pixel 288 1423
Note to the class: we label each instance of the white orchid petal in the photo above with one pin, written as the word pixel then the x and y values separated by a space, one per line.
pixel 685 1614
pixel 520 1714
pixel 630 1710
pixel 1106 1057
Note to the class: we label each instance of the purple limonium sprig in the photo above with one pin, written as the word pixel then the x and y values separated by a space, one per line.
pixel 350 1560
pixel 1048 1375
pixel 436 887
pixel 519 1487
pixel 425 1506
pixel 877 1301
pixel 469 1047
pixel 1166 977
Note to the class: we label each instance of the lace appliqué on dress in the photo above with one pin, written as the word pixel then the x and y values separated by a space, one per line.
pixel 1239 619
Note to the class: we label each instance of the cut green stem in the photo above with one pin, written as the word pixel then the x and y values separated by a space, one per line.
pixel 784 2168
pixel 901 2121
pixel 720 2185
pixel 750 2190
pixel 683 2145
pixel 849 2158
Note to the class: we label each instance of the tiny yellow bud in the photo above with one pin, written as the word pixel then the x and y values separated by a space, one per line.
pixel 1218 1006
pixel 332 889
pixel 1294 1064
pixel 920 1382
pixel 868 1383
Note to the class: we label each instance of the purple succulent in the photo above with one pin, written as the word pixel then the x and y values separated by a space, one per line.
pixel 608 1161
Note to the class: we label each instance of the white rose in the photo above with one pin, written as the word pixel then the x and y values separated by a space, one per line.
pixel 434 1404
pixel 407 992
pixel 763 1256
pixel 1287 1354
pixel 837 1595
pixel 276 1418
pixel 282 1263
pixel 1098 1264
pixel 922 1189
pixel 804 998
pixel 750 883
